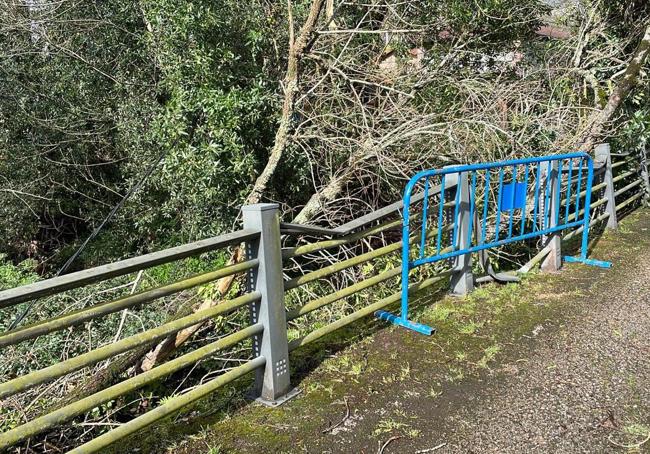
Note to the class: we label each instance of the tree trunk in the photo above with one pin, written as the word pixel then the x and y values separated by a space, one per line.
pixel 333 189
pixel 598 120
pixel 297 49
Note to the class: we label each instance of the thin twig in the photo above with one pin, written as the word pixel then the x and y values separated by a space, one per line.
pixel 636 445
pixel 367 32
pixel 345 418
pixel 389 441
pixel 126 311
pixel 435 448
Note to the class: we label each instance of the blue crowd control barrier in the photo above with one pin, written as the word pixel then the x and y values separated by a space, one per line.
pixel 510 200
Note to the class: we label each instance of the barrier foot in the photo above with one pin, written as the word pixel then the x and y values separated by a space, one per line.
pixel 590 262
pixel 395 320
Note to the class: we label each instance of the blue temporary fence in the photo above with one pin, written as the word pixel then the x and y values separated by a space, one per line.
pixel 527 198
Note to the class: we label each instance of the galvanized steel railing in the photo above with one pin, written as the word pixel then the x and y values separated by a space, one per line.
pixel 264 298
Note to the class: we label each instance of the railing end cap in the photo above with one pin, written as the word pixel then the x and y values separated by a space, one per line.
pixel 260 207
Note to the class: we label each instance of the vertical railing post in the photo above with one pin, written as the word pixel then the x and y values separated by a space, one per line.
pixel 553 261
pixel 645 176
pixel 604 156
pixel 272 385
pixel 462 279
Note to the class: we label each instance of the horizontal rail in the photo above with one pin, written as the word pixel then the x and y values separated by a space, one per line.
pixel 355 224
pixel 583 193
pixel 170 407
pixel 628 187
pixel 629 201
pixel 353 261
pixel 349 238
pixel 381 304
pixel 343 293
pixel 598 169
pixel 63 414
pixel 495 165
pixel 335 268
pixel 327 244
pixel 99 310
pixel 483 247
pixel 94 356
pixel 541 254
pixel 80 278
pixel 386 211
pixel 596 204
pixel 306 229
pixel 623 176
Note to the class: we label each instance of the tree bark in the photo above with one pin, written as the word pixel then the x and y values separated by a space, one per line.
pixel 319 200
pixel 297 50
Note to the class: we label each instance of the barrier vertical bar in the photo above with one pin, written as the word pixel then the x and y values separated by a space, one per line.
pixel 462 280
pixel 486 202
pixel 441 209
pixel 272 384
pixel 578 190
pixel 604 156
pixel 454 238
pixel 406 250
pixel 585 232
pixel 472 205
pixel 547 195
pixel 645 175
pixel 515 170
pixel 523 211
pixel 536 203
pixel 558 193
pixel 553 261
pixel 425 208
pixel 498 222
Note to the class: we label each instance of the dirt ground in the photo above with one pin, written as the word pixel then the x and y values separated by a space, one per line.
pixel 557 363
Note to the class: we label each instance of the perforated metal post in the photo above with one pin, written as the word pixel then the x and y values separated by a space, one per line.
pixel 553 261
pixel 604 156
pixel 462 279
pixel 272 386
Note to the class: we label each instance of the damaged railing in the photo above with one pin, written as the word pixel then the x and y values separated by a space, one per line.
pixel 618 187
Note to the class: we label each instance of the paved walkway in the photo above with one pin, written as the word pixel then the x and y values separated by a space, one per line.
pixel 584 388
pixel 557 364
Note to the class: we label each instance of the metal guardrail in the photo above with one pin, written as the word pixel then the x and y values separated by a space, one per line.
pixel 264 297
pixel 81 278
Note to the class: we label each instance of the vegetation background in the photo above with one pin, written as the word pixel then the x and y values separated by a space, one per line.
pixel 324 106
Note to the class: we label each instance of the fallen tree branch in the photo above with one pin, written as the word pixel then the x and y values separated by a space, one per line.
pixel 297 49
pixel 596 123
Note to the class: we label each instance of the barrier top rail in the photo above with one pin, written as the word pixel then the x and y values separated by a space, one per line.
pixel 500 195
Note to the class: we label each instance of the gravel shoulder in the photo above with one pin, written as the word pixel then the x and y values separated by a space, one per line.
pixel 586 387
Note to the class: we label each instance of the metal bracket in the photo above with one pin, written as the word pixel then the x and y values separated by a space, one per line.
pixel 293 392
pixel 413 326
pixel 590 262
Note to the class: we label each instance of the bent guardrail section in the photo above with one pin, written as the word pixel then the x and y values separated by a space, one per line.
pixel 617 187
